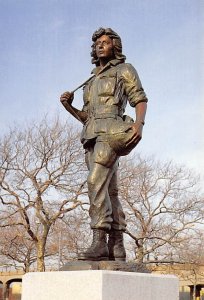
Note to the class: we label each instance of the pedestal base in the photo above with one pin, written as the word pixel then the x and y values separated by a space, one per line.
pixel 105 265
pixel 99 285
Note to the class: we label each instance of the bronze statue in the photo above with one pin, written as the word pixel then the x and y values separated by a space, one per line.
pixel 107 134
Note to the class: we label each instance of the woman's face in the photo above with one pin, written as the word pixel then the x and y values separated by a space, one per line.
pixel 104 47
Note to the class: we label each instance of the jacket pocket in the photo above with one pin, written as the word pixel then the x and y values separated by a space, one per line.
pixel 106 86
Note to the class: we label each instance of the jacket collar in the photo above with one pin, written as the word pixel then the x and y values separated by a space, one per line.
pixel 113 62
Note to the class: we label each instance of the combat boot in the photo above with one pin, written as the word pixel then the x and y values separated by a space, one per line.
pixel 98 249
pixel 116 245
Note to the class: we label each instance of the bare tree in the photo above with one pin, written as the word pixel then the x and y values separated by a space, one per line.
pixel 17 248
pixel 68 237
pixel 163 204
pixel 192 258
pixel 189 266
pixel 42 177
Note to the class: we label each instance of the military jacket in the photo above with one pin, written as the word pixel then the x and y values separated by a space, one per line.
pixel 105 97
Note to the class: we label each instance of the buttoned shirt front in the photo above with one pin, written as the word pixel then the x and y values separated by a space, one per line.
pixel 106 95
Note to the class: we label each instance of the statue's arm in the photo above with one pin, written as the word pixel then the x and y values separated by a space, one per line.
pixel 140 111
pixel 137 98
pixel 66 100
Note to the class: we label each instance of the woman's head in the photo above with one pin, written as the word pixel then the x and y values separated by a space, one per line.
pixel 117 44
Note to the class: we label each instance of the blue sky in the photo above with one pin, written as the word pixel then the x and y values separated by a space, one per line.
pixel 45 50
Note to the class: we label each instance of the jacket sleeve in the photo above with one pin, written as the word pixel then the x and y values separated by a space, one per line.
pixel 86 91
pixel 132 85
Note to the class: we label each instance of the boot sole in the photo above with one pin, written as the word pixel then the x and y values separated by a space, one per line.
pixel 117 259
pixel 93 259
pixel 120 259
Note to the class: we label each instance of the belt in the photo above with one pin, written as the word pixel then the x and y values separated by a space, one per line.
pixel 108 115
pixel 103 111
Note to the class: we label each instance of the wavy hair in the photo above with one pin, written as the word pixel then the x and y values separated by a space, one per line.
pixel 117 44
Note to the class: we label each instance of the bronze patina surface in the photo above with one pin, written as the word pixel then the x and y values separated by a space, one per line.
pixel 105 265
pixel 107 134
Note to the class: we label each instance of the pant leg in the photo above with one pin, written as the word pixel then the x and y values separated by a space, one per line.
pixel 103 162
pixel 118 215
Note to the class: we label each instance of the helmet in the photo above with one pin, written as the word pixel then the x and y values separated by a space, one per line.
pixel 119 134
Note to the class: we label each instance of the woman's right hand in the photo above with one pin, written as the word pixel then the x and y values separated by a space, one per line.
pixel 67 98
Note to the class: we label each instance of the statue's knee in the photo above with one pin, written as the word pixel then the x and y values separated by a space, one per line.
pixel 104 155
pixel 91 180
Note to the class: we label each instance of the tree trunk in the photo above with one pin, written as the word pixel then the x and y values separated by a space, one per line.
pixel 140 253
pixel 27 267
pixel 40 256
pixel 41 243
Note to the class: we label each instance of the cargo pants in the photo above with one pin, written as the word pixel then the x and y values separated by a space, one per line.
pixel 105 208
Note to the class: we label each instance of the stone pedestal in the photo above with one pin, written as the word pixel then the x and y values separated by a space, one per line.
pixel 99 285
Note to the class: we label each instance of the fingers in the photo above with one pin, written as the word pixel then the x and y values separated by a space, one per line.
pixel 68 94
pixel 134 141
pixel 63 99
pixel 137 135
pixel 67 97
